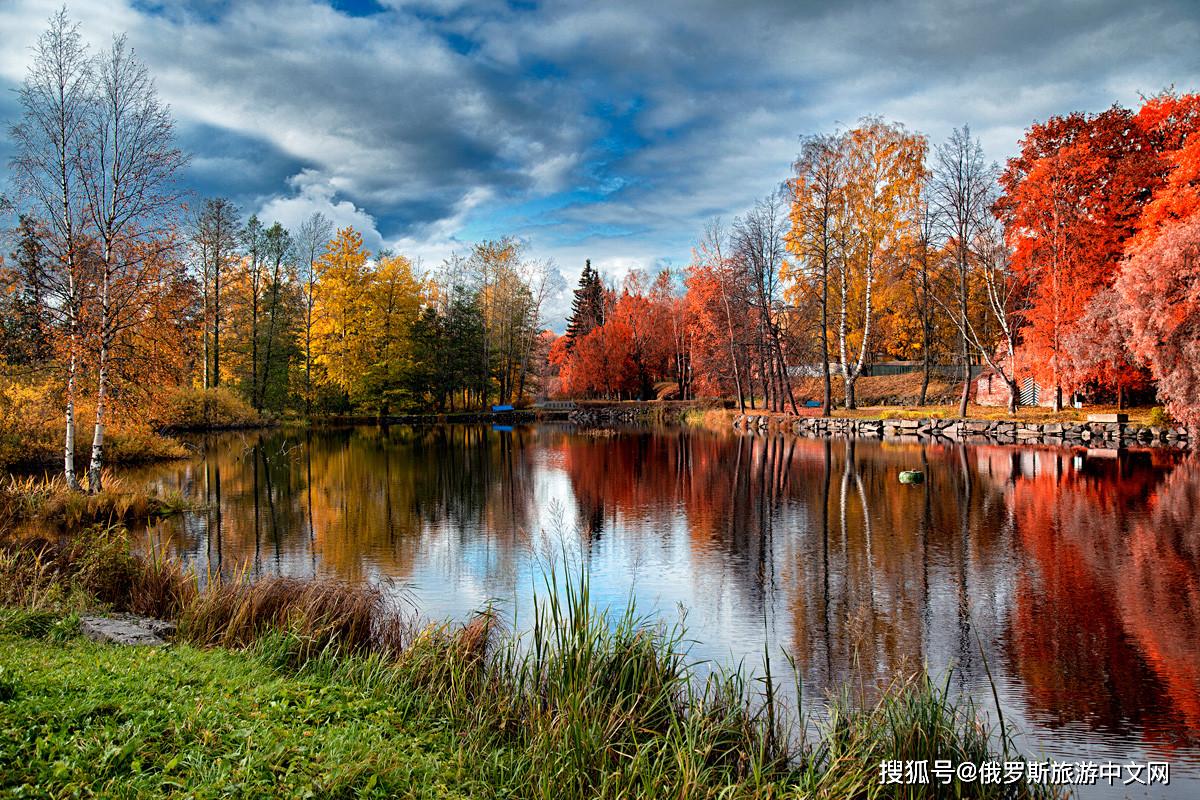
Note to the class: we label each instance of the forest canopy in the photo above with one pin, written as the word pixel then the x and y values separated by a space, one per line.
pixel 124 299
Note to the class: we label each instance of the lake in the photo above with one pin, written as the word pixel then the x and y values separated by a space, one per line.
pixel 1073 577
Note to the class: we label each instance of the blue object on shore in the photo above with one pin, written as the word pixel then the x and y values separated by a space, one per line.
pixel 498 409
pixel 812 404
pixel 503 428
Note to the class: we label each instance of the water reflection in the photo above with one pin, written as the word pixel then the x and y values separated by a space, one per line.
pixel 1074 576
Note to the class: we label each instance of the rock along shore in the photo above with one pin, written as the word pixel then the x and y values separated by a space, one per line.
pixel 1108 435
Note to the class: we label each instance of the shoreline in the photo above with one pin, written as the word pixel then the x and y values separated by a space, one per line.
pixel 1092 434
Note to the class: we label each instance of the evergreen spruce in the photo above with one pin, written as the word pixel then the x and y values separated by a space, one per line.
pixel 587 309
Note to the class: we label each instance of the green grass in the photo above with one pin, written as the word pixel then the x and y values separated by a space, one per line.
pixel 84 719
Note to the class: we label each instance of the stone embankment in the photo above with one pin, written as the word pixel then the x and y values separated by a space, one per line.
pixel 1110 435
pixel 603 416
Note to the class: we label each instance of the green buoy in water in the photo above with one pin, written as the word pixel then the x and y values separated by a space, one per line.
pixel 912 476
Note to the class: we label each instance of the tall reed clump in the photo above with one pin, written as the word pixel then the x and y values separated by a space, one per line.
pixel 314 616
pixel 93 569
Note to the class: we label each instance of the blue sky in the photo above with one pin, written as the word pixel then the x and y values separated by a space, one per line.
pixel 609 131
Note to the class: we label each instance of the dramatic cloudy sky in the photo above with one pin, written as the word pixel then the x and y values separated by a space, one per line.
pixel 602 130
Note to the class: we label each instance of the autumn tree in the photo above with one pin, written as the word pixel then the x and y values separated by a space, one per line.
pixel 1160 290
pixel 1172 124
pixel 341 340
pixel 214 243
pixel 817 212
pixel 642 317
pixel 1071 199
pixel 961 194
pixel 392 306
pixel 885 166
pixel 56 103
pixel 1160 281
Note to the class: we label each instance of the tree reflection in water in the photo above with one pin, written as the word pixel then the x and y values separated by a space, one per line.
pixel 1077 576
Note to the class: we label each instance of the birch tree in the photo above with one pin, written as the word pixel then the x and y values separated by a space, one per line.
pixel 127 171
pixel 817 212
pixel 961 193
pixel 52 132
pixel 885 166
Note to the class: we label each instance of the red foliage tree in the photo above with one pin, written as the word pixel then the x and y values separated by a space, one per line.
pixel 1160 293
pixel 1072 198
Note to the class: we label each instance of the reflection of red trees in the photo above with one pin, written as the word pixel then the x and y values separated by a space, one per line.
pixel 1097 589
pixel 1158 591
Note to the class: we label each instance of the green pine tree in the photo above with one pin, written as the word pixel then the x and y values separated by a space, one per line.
pixel 587 309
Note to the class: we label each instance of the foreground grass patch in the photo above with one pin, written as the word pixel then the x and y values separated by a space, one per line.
pixel 316 688
pixel 83 719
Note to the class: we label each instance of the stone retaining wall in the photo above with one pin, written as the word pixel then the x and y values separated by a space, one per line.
pixel 1111 435
pixel 602 416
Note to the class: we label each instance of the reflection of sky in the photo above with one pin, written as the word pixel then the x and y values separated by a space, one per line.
pixel 741 594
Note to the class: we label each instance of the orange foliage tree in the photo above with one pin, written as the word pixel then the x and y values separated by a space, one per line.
pixel 1071 199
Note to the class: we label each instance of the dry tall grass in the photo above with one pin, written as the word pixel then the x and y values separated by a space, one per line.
pixel 51 501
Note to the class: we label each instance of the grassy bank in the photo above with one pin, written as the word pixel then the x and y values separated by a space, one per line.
pixel 31 424
pixel 50 502
pixel 83 719
pixel 328 683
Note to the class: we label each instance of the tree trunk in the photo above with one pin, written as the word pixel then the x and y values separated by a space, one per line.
pixel 1014 395
pixel 216 376
pixel 851 403
pixel 97 462
pixel 924 358
pixel 69 439
pixel 827 397
pixel 966 392
pixel 966 347
pixel 255 399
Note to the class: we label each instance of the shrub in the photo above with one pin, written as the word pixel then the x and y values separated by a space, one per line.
pixel 30 425
pixel 206 409
pixel 31 429
pixel 1159 419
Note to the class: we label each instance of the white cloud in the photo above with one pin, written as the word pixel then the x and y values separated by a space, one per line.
pixel 315 193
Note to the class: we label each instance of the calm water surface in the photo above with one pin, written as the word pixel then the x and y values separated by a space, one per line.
pixel 1077 576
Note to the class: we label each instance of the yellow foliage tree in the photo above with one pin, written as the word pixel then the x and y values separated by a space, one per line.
pixel 393 301
pixel 884 173
pixel 341 341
